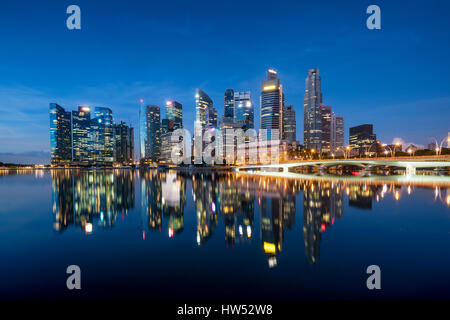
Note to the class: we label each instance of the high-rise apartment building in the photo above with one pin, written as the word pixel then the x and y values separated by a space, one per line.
pixel 312 113
pixel 60 135
pixel 337 133
pixel 272 102
pixel 289 124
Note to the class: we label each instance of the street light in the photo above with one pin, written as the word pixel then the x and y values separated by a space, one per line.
pixel 439 149
pixel 390 149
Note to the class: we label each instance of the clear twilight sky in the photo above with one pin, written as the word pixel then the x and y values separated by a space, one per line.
pixel 397 78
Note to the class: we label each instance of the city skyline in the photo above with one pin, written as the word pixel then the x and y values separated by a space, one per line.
pixel 351 77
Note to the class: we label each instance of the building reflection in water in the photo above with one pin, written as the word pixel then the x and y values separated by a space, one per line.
pixel 204 191
pixel 95 198
pixel 322 204
pixel 89 197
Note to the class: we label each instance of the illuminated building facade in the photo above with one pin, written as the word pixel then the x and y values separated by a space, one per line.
pixel 289 124
pixel 150 133
pixel 103 135
pixel 272 101
pixel 312 113
pixel 362 138
pixel 205 119
pixel 325 115
pixel 243 110
pixel 174 112
pixel 60 135
pixel 124 143
pixel 337 134
pixel 229 106
pixel 81 126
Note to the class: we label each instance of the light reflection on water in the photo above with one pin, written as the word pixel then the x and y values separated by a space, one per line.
pixel 86 199
pixel 282 222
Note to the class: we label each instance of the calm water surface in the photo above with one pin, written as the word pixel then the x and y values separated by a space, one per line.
pixel 147 234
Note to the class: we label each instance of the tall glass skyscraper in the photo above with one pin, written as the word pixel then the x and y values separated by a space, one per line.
pixel 325 115
pixel 124 143
pixel 174 112
pixel 289 124
pixel 312 115
pixel 337 133
pixel 150 132
pixel 229 105
pixel 205 118
pixel 203 104
pixel 272 101
pixel 81 125
pixel 60 135
pixel 102 136
pixel 244 112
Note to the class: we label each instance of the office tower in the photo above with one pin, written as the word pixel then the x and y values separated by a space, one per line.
pixel 337 133
pixel 81 126
pixel 312 115
pixel 362 138
pixel 150 132
pixel 205 117
pixel 325 116
pixel 244 112
pixel 168 126
pixel 174 112
pixel 203 104
pixel 272 101
pixel 124 143
pixel 102 136
pixel 60 135
pixel 229 105
pixel 211 119
pixel 289 124
pixel 227 140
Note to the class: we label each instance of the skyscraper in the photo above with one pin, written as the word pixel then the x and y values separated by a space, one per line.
pixel 362 138
pixel 60 135
pixel 244 112
pixel 102 136
pixel 124 143
pixel 272 101
pixel 337 133
pixel 312 115
pixel 81 126
pixel 150 132
pixel 174 112
pixel 325 116
pixel 229 105
pixel 289 124
pixel 211 119
pixel 205 118
pixel 203 104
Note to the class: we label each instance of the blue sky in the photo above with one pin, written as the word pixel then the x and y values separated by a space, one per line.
pixel 396 78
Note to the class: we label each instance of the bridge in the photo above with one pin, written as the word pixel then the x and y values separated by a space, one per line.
pixel 409 164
